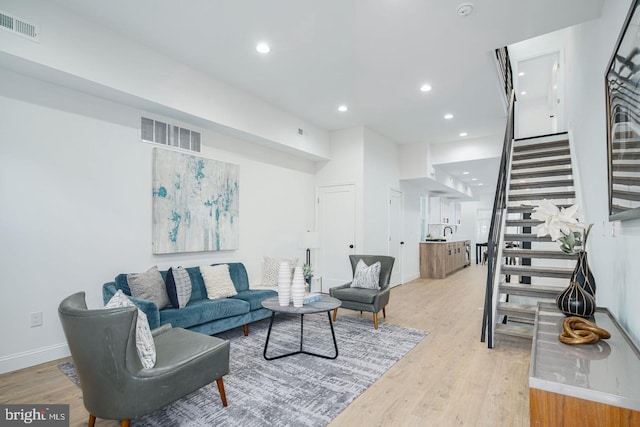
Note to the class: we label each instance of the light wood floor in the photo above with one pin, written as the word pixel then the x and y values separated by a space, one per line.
pixel 449 379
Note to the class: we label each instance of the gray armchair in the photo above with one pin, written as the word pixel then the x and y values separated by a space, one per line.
pixel 371 300
pixel 114 384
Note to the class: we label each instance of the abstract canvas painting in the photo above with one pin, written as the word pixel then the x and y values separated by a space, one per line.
pixel 195 203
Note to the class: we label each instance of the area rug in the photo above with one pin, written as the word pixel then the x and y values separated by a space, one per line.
pixel 299 390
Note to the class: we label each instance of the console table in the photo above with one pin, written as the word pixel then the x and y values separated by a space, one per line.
pixel 583 385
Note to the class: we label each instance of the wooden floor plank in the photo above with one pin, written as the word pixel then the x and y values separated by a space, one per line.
pixel 450 378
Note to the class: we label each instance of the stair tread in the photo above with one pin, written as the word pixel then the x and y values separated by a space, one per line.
pixel 523 208
pixel 517 307
pixel 537 271
pixel 515 331
pixel 541 173
pixel 532 253
pixel 541 184
pixel 523 222
pixel 512 288
pixel 526 237
pixel 540 196
pixel 539 154
pixel 540 164
pixel 519 148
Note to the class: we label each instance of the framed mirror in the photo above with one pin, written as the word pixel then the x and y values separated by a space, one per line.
pixel 623 121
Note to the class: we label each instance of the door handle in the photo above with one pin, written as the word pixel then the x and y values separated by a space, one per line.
pixel 402 243
pixel 350 246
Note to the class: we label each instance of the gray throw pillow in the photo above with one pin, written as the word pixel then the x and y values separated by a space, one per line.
pixel 367 277
pixel 149 286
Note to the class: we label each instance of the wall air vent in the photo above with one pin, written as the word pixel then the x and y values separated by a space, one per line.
pixel 169 135
pixel 20 27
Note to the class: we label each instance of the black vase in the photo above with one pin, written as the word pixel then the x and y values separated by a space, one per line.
pixel 582 275
pixel 576 301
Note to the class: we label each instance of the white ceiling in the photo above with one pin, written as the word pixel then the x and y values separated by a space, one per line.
pixel 372 55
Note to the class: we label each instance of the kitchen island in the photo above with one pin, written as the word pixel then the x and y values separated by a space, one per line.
pixel 439 258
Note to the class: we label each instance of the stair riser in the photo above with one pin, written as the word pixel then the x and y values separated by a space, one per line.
pixel 540 154
pixel 541 174
pixel 537 254
pixel 532 293
pixel 554 275
pixel 541 184
pixel 519 147
pixel 540 196
pixel 542 164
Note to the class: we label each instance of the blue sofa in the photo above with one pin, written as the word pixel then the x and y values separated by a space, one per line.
pixel 202 314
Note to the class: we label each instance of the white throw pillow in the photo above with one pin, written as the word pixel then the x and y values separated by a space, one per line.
pixel 218 281
pixel 270 269
pixel 144 339
pixel 367 277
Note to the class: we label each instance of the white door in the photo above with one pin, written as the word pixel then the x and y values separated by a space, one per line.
pixel 337 228
pixel 395 235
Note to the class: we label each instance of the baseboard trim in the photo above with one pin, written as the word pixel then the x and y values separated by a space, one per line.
pixel 14 362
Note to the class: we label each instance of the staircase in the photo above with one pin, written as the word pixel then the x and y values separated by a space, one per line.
pixel 532 268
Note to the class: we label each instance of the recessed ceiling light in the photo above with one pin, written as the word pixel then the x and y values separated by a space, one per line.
pixel 465 173
pixel 425 88
pixel 463 134
pixel 343 108
pixel 448 116
pixel 474 179
pixel 521 73
pixel 263 47
pixel 524 92
pixel 479 184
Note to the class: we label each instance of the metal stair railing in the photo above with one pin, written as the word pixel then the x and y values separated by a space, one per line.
pixel 498 218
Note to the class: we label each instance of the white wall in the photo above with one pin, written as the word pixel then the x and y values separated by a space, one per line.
pixel 75 206
pixel 469 149
pixel 79 53
pixel 614 260
pixel 380 176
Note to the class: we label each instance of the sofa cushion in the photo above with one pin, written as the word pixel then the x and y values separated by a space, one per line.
pixel 178 286
pixel 149 286
pixel 365 296
pixel 255 297
pixel 145 345
pixel 218 281
pixel 203 311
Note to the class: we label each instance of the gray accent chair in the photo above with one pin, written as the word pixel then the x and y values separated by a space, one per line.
pixel 114 384
pixel 371 300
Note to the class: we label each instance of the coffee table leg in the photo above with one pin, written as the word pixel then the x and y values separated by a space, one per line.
pixel 301 351
pixel 266 344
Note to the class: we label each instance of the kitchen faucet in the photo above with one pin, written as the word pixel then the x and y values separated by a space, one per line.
pixel 445 230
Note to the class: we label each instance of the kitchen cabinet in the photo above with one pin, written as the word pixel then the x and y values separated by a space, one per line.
pixel 439 259
pixel 439 211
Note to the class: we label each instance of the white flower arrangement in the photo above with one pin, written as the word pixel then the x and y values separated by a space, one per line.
pixel 562 225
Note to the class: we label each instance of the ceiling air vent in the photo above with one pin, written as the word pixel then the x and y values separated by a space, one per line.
pixel 169 135
pixel 20 27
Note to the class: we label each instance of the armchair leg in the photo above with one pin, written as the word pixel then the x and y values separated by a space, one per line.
pixel 335 314
pixel 245 328
pixel 223 396
pixel 384 312
pixel 375 320
pixel 125 423
pixel 92 420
